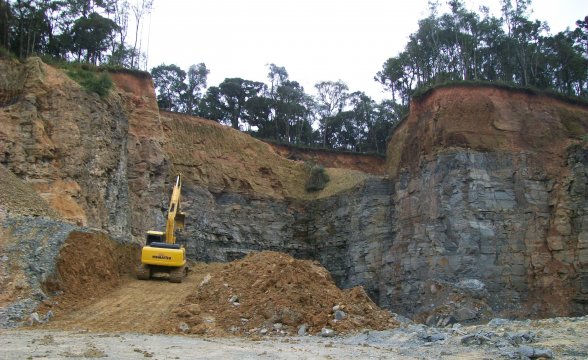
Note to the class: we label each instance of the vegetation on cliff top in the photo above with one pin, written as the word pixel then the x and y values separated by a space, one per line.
pixel 458 45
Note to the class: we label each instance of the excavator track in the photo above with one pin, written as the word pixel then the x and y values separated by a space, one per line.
pixel 143 272
pixel 176 275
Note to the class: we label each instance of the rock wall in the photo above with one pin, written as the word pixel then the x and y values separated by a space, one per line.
pixel 482 210
pixel 489 187
pixel 97 161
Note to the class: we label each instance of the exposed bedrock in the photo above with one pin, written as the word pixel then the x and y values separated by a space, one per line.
pixel 479 210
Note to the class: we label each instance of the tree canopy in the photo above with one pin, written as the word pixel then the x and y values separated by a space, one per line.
pixel 92 31
pixel 451 44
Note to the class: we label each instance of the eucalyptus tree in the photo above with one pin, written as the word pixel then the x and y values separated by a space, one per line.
pixel 331 99
pixel 90 37
pixel 196 78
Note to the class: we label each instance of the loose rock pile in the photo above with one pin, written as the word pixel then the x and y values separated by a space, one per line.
pixel 273 293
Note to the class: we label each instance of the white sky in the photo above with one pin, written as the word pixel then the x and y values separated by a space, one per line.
pixel 315 40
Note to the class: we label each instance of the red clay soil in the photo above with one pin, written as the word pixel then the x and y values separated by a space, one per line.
pixel 487 119
pixel 370 164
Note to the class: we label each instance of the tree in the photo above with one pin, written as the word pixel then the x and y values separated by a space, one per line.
pixel 289 107
pixel 169 83
pixel 30 27
pixel 90 36
pixel 196 77
pixel 234 94
pixel 211 106
pixel 331 97
pixel 5 19
pixel 140 8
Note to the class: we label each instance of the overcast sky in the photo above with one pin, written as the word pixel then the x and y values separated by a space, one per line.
pixel 315 40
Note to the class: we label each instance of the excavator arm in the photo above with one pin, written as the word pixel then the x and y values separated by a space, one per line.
pixel 175 218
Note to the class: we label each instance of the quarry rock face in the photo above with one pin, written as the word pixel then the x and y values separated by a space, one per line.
pixel 489 185
pixel 479 210
pixel 96 161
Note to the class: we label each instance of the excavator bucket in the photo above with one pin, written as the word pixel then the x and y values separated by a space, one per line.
pixel 180 220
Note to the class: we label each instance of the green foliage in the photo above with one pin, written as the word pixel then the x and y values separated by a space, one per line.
pixel 169 82
pixel 464 45
pixel 6 54
pixel 93 81
pixel 317 179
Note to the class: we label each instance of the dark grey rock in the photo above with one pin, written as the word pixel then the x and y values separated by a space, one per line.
pixel 533 353
pixel 436 337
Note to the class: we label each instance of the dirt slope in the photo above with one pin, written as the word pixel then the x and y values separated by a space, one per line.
pixel 223 159
pixel 18 198
pixel 135 306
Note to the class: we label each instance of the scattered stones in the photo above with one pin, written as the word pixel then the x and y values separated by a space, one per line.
pixel 477 339
pixel 517 338
pixel 34 319
pixel 435 337
pixel 48 316
pixel 497 322
pixel 528 352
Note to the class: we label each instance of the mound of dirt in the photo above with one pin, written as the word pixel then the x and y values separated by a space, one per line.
pixel 273 293
pixel 89 265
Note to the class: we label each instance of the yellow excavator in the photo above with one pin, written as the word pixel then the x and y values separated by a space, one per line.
pixel 161 254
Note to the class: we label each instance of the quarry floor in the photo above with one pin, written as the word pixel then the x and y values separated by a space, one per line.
pixel 123 323
pixel 562 338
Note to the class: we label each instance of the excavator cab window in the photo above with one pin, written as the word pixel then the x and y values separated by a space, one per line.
pixel 151 238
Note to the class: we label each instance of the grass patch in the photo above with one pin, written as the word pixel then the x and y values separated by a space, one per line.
pixel 98 82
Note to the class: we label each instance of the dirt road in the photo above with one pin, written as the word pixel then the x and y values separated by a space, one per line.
pixel 135 306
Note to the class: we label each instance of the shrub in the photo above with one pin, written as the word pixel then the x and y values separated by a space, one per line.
pixel 100 83
pixel 318 178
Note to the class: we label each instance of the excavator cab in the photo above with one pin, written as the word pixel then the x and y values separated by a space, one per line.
pixel 161 253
